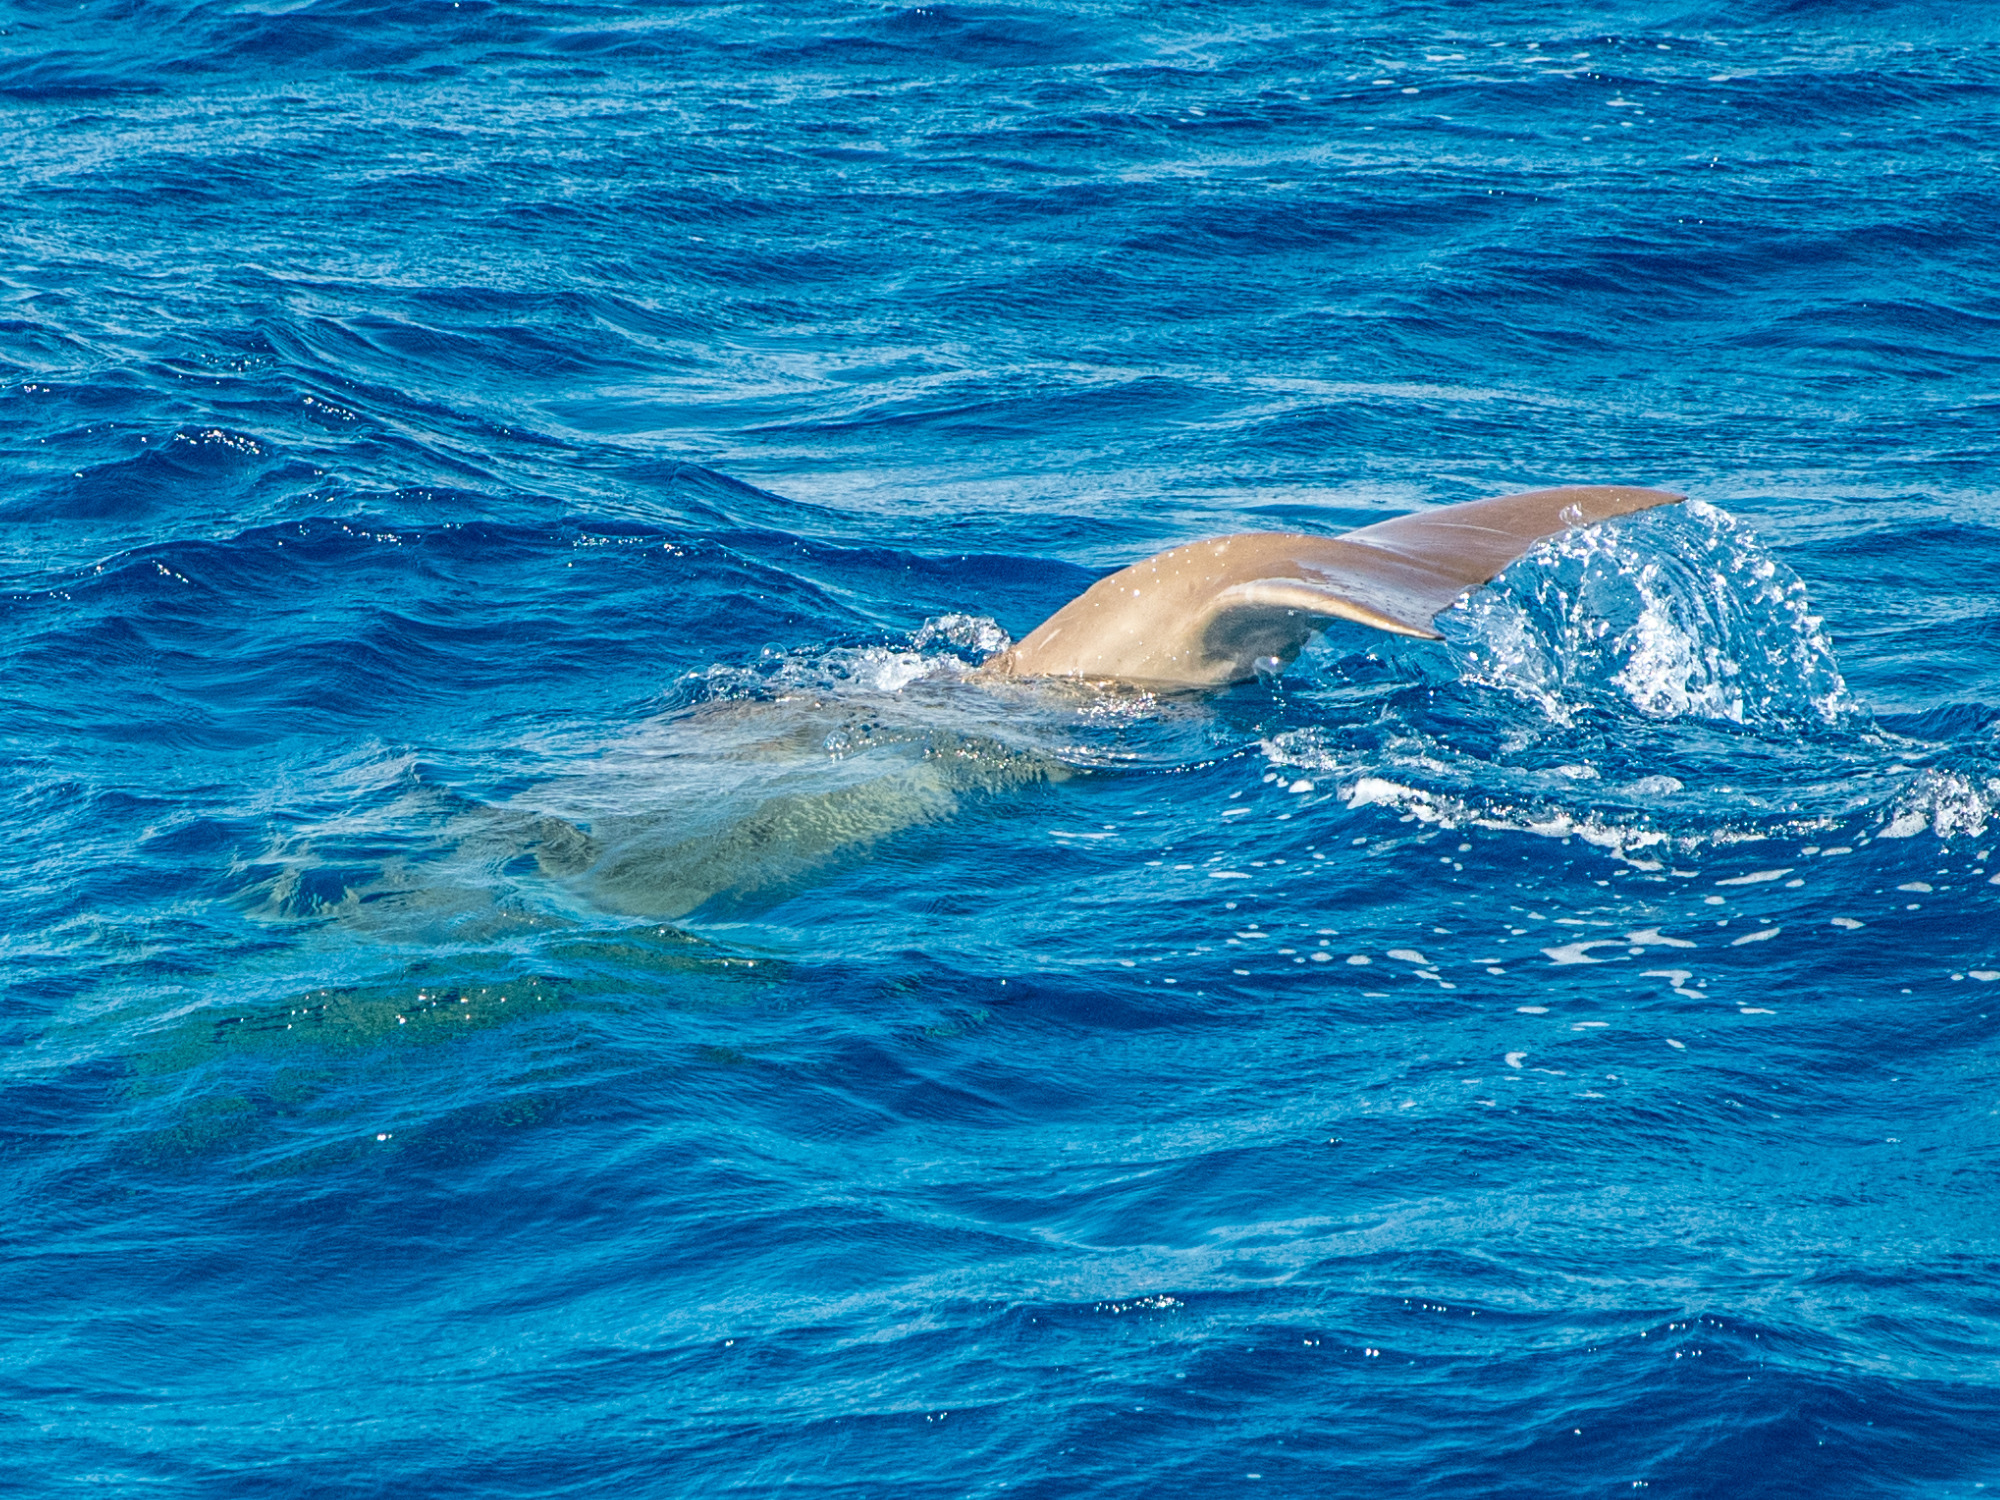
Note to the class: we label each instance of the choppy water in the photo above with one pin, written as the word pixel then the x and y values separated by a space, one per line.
pixel 531 967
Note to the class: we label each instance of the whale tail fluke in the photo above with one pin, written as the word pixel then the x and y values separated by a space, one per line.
pixel 1417 565
pixel 1217 611
pixel 1463 546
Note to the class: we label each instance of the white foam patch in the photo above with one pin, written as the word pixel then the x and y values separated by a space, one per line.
pixel 1758 877
pixel 1946 803
pixel 1678 978
pixel 1757 937
pixel 1655 786
pixel 1408 956
pixel 1453 812
pixel 1579 953
pixel 1652 937
pixel 1849 923
pixel 1985 976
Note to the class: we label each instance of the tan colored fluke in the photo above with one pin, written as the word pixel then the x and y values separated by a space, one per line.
pixel 1208 613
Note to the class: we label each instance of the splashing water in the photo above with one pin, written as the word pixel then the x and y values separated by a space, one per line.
pixel 941 649
pixel 1946 803
pixel 1680 613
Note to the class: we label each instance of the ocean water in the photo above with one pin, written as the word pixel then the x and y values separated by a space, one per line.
pixel 533 967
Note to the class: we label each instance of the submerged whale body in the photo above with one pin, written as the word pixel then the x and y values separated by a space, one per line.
pixel 1215 612
pixel 1198 616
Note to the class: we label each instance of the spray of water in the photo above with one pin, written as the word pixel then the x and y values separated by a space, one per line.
pixel 1681 613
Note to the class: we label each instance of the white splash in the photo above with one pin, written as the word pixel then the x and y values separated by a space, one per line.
pixel 1944 802
pixel 1681 611
pixel 967 632
pixel 845 670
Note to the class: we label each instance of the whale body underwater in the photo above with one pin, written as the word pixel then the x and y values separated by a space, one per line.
pixel 1216 612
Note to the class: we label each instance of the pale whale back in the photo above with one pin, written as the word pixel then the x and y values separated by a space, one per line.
pixel 1208 613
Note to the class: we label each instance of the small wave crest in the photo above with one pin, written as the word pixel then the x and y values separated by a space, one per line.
pixel 1628 840
pixel 1638 820
pixel 1641 821
pixel 1681 613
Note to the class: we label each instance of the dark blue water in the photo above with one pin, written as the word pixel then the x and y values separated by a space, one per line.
pixel 533 968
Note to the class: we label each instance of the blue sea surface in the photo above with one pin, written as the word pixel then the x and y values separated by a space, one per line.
pixel 531 964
